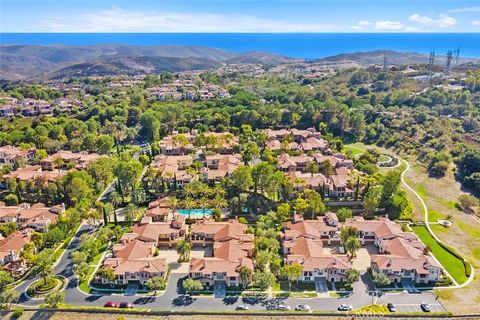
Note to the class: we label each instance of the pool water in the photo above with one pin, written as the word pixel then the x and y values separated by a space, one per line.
pixel 195 213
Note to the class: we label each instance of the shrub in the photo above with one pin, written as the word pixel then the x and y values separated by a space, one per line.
pixel 17 313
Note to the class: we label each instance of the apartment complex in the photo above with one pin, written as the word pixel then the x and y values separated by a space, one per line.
pixel 232 249
pixel 316 245
pixel 135 257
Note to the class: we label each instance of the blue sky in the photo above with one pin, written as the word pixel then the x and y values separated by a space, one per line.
pixel 239 16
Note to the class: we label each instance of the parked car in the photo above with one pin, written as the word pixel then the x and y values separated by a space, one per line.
pixel 283 307
pixel 391 307
pixel 345 307
pixel 125 305
pixel 302 307
pixel 110 304
pixel 241 307
pixel 425 307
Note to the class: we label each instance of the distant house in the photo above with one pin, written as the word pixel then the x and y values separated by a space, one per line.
pixel 11 155
pixel 81 160
pixel 37 216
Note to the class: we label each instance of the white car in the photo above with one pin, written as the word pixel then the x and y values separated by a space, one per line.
pixel 302 307
pixel 283 307
pixel 345 307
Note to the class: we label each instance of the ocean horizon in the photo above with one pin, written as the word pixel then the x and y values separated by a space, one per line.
pixel 296 45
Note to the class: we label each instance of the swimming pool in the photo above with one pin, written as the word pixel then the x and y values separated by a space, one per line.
pixel 195 213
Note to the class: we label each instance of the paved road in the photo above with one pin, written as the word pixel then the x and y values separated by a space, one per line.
pixel 63 268
pixel 172 297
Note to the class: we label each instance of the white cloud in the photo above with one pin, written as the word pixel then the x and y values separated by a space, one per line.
pixel 443 21
pixel 466 9
pixel 119 20
pixel 364 23
pixel 476 23
pixel 387 25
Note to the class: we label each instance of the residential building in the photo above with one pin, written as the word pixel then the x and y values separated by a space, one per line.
pixel 402 256
pixel 11 248
pixel 12 155
pixel 81 160
pixel 207 232
pixel 229 257
pixel 36 216
pixel 34 173
pixel 134 262
pixel 134 258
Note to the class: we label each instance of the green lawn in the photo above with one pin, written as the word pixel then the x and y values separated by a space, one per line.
pixel 433 215
pixel 84 284
pixel 422 191
pixel 352 150
pixel 452 264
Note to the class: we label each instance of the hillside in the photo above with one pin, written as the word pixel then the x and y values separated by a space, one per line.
pixel 130 66
pixel 259 57
pixel 19 62
pixel 393 57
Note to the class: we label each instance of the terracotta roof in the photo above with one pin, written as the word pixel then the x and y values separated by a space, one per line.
pixel 231 229
pixel 15 241
pixel 152 231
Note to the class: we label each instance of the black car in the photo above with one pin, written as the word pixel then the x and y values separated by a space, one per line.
pixel 391 307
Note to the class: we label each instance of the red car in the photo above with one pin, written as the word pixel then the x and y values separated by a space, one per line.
pixel 125 305
pixel 110 304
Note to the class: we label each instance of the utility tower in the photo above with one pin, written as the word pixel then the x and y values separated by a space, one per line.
pixel 456 53
pixel 448 64
pixel 431 61
pixel 385 64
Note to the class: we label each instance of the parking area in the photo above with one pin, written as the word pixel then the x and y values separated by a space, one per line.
pixel 415 307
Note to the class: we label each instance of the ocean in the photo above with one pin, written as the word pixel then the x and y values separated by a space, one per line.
pixel 297 45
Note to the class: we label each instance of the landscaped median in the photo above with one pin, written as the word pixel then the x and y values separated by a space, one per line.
pixel 456 266
pixel 42 287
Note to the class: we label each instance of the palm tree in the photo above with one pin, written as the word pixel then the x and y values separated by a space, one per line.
pixel 188 203
pixel 219 202
pixel 173 203
pixel 352 245
pixel 204 203
pixel 183 249
pixel 116 200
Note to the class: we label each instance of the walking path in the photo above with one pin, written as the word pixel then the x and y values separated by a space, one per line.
pixel 427 225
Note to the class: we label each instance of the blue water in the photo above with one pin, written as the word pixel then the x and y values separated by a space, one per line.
pixel 195 213
pixel 299 45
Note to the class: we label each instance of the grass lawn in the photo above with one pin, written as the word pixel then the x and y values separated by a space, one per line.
pixel 83 285
pixel 439 229
pixel 452 264
pixel 422 191
pixel 296 294
pixel 374 308
pixel 97 258
pixel 353 150
pixel 433 215
pixel 335 294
